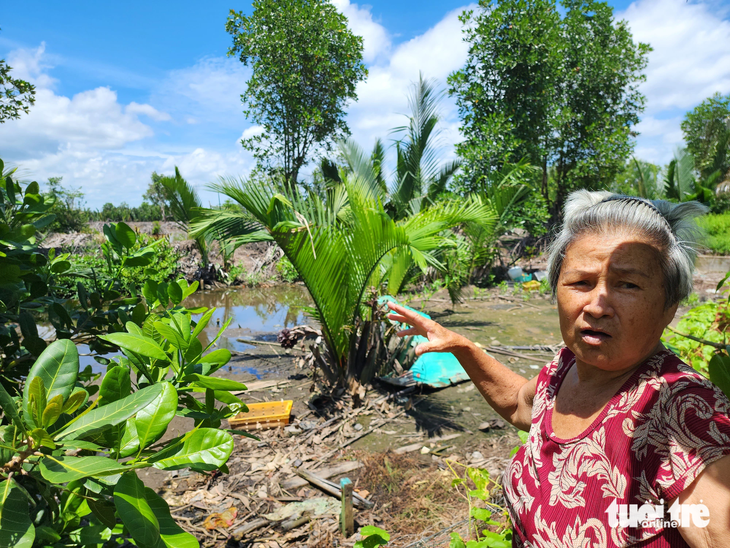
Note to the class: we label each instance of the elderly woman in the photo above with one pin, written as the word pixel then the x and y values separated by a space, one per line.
pixel 620 430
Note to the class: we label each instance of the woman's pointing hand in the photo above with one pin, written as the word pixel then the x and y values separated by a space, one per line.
pixel 439 338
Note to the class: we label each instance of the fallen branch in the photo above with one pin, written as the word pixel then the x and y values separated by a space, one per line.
pixel 347 466
pixel 248 527
pixel 417 446
pixel 333 489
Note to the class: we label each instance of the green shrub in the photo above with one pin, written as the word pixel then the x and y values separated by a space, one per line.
pixel 717 227
pixel 88 268
pixel 287 271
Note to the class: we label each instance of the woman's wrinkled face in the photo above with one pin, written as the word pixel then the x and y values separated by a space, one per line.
pixel 611 300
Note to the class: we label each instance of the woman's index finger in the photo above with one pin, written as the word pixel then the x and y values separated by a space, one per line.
pixel 410 315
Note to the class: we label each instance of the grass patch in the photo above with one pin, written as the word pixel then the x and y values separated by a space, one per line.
pixel 717 228
pixel 414 498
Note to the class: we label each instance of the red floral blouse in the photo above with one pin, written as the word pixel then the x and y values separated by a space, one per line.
pixel 653 438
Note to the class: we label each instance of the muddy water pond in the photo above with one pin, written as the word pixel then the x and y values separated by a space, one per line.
pixel 493 321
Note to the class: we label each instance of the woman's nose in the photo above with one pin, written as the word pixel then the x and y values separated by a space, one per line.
pixel 599 303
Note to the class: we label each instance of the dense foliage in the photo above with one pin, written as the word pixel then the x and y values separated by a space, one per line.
pixel 69 459
pixel 306 64
pixel 16 95
pixel 706 130
pixel 561 91
pixel 717 230
pixel 701 338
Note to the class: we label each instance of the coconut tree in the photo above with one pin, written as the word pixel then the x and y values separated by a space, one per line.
pixel 183 205
pixel 337 244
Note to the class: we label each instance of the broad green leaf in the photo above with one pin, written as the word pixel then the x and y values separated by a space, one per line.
pixel 171 335
pixel 206 448
pixel 59 267
pixel 104 511
pixel 138 344
pixel 10 408
pixel 52 411
pixel 135 511
pixel 77 398
pixel 37 400
pixel 16 529
pixel 132 327
pixel 129 443
pixel 47 534
pixel 456 541
pixel 151 422
pixel 115 385
pixel 175 292
pixel 63 469
pixel 104 417
pixel 188 289
pixel 172 534
pixel 149 290
pixel 58 368
pixel 215 383
pixel 373 537
pixel 194 351
pixel 125 235
pixel 719 369
pixel 138 260
pixel 203 322
pixel 81 444
pixel 220 357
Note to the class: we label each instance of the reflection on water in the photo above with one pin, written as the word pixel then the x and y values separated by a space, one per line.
pixel 254 312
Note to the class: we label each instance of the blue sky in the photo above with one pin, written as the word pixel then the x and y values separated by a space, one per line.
pixel 128 88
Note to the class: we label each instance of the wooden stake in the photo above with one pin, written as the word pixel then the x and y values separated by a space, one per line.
pixel 347 517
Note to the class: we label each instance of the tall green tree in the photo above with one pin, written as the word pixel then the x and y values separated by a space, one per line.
pixel 706 130
pixel 306 64
pixel 156 194
pixel 16 95
pixel 561 91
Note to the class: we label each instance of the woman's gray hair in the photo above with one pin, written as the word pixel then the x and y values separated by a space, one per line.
pixel 670 226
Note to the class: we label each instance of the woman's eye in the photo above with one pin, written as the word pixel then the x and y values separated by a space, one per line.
pixel 629 285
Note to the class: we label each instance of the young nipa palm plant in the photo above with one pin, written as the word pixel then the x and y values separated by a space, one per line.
pixel 337 245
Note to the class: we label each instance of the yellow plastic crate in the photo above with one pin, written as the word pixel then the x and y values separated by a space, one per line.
pixel 269 414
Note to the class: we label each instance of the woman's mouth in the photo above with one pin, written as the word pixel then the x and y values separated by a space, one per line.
pixel 592 336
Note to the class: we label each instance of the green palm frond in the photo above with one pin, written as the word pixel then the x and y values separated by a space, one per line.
pixel 184 200
pixel 361 167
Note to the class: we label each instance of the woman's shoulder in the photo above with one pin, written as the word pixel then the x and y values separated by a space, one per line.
pixel 679 380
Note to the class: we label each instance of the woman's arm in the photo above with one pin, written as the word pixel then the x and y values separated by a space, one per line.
pixel 712 489
pixel 507 392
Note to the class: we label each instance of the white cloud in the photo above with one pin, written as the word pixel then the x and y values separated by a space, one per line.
pixel 690 61
pixel 135 108
pixel 383 97
pixel 691 57
pixel 31 65
pixel 252 132
pixel 209 91
pixel 376 39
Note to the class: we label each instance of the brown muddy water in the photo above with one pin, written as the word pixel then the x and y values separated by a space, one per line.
pixel 491 321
